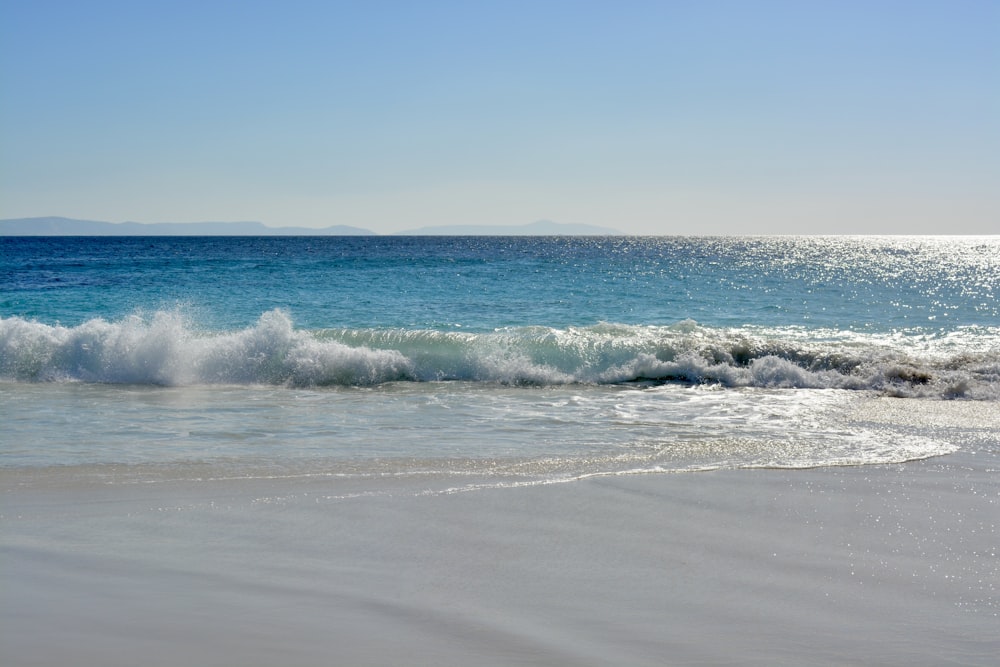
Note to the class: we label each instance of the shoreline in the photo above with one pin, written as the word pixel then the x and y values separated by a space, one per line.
pixel 884 564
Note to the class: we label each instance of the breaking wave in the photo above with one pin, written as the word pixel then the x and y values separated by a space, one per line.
pixel 167 349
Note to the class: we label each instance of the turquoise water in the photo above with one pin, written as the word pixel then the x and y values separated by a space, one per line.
pixel 557 356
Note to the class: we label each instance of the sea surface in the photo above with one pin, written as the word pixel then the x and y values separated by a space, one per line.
pixel 448 364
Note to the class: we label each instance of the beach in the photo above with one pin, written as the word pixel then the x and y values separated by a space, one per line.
pixel 346 334
pixel 878 565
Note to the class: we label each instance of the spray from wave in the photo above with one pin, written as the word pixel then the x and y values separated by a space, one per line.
pixel 166 349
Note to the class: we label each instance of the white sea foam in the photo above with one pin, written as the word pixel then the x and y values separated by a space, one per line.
pixel 168 349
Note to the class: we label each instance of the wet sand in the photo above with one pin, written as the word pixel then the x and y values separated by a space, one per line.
pixel 875 565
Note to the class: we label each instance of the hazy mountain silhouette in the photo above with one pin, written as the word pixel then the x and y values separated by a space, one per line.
pixel 53 226
pixel 56 226
pixel 539 228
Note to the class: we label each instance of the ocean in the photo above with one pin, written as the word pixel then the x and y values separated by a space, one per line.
pixel 438 364
pixel 439 451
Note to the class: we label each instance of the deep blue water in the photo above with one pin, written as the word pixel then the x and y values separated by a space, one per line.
pixel 481 283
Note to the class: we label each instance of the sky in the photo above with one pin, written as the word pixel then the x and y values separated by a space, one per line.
pixel 696 117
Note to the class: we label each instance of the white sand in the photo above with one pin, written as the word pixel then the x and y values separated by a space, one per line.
pixel 886 565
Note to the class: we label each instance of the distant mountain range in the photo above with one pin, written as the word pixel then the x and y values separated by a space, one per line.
pixel 70 227
pixel 540 228
pixel 54 226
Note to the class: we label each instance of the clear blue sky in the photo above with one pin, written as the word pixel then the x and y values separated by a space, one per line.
pixel 649 117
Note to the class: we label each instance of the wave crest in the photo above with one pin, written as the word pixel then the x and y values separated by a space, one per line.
pixel 166 349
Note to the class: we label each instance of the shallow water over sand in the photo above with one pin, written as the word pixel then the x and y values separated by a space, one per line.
pixel 492 435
